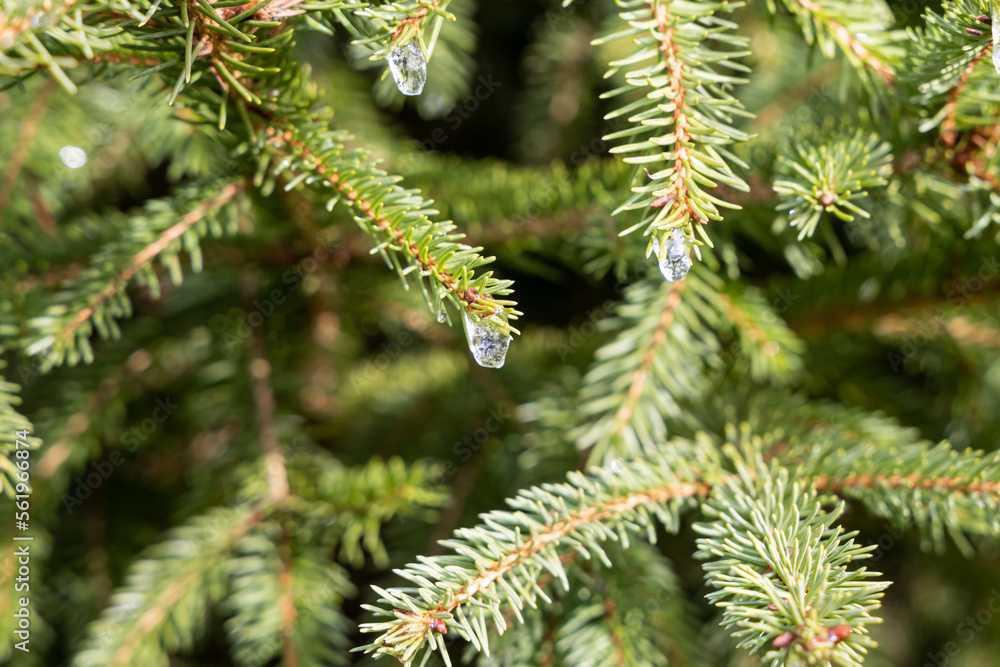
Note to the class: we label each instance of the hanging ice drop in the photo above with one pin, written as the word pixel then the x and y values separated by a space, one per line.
pixel 677 263
pixel 408 67
pixel 488 340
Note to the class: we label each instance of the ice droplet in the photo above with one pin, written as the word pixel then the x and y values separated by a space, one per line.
pixel 442 316
pixel 487 339
pixel 995 20
pixel 408 67
pixel 677 263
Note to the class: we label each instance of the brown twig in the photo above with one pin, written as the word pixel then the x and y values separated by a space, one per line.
pixel 414 20
pixel 948 133
pixel 263 399
pixel 23 142
pixel 682 135
pixel 286 604
pixel 913 481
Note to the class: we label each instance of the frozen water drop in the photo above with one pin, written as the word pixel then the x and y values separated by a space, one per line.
pixel 442 316
pixel 677 263
pixel 408 67
pixel 488 340
pixel 617 465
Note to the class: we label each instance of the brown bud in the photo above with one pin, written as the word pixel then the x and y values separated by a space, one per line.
pixel 827 198
pixel 781 641
pixel 973 31
pixel 983 18
pixel 840 632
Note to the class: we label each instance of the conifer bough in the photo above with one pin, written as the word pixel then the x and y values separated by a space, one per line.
pixel 683 414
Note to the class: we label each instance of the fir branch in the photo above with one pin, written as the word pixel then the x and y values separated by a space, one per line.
pixel 949 124
pixel 318 588
pixel 502 560
pixel 168 588
pixel 936 488
pixel 826 173
pixel 32 16
pixel 451 43
pixel 859 29
pixel 636 614
pixel 397 216
pixel 45 32
pixel 848 41
pixel 286 603
pixel 638 380
pixel 347 506
pixel 382 26
pixel 64 335
pixel 947 485
pixel 944 69
pixel 685 91
pixel 804 601
pixel 773 351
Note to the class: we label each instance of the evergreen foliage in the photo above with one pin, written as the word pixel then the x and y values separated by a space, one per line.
pixel 241 440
